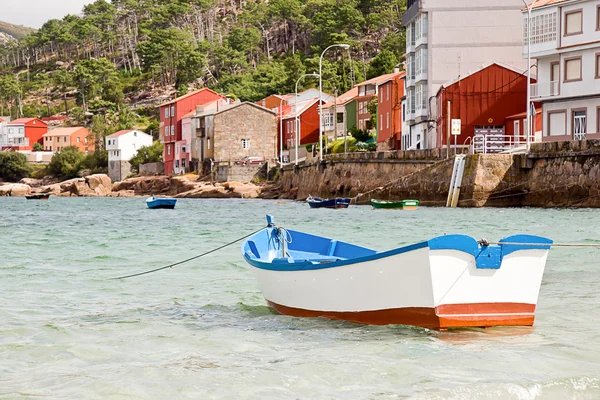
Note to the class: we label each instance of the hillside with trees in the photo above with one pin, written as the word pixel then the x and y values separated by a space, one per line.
pixel 108 67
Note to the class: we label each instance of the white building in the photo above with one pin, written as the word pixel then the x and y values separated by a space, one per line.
pixel 447 39
pixel 565 40
pixel 121 147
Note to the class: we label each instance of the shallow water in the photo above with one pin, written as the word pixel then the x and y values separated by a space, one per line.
pixel 202 330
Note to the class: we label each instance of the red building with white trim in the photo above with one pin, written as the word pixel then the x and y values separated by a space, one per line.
pixel 22 133
pixel 171 115
pixel 389 112
pixel 308 115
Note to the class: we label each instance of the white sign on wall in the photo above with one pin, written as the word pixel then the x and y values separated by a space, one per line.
pixel 456 126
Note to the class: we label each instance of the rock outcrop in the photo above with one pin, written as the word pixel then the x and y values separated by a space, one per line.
pixel 90 186
pixel 14 189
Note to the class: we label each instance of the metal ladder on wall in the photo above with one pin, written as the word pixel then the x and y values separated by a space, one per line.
pixel 457 175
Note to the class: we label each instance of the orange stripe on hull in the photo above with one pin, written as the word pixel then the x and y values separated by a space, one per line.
pixel 445 316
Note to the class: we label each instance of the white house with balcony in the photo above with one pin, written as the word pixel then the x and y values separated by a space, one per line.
pixel 565 41
pixel 445 41
pixel 121 147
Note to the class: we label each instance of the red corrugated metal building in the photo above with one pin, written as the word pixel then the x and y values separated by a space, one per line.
pixel 309 123
pixel 171 114
pixel 482 101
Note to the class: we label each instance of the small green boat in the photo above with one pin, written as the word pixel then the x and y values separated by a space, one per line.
pixel 403 204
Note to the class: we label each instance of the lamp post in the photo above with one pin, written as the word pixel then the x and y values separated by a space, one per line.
pixel 528 131
pixel 343 46
pixel 296 120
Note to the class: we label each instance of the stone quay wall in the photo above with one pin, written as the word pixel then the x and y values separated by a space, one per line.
pixel 552 174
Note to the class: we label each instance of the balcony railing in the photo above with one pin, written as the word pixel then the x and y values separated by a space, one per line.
pixel 7 141
pixel 544 89
pixel 490 144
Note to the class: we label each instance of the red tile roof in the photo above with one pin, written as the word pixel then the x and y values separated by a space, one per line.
pixel 186 96
pixel 24 121
pixel 120 133
pixel 543 3
pixel 380 79
pixel 344 98
pixel 64 131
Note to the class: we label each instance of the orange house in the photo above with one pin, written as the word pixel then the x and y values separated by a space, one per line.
pixel 59 138
pixel 23 133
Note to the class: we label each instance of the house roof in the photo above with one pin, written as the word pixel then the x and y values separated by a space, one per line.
pixel 344 98
pixel 302 107
pixel 186 96
pixel 121 132
pixel 393 76
pixel 24 121
pixel 498 63
pixel 379 79
pixel 64 131
pixel 232 106
pixel 543 3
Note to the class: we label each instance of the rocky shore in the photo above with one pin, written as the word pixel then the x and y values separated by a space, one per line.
pixel 100 185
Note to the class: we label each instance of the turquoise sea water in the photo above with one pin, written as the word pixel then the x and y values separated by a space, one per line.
pixel 202 330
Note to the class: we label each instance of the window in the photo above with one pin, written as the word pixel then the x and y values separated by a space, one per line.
pixel 557 123
pixel 172 130
pixel 387 120
pixel 543 29
pixel 360 124
pixel 573 22
pixel 572 69
pixel 172 111
pixel 177 149
pixel 381 122
pixel 598 64
pixel 412 31
pixel 598 21
pixel 85 140
pixel 340 118
pixel 169 150
pixel 245 143
pixel 78 140
pixel 387 95
pixel 134 133
pixel 418 31
pixel 360 107
pixel 517 127
pixel 208 143
pixel 418 63
pixel 403 112
pixel 167 112
pixel 579 124
pixel 86 149
pixel 424 61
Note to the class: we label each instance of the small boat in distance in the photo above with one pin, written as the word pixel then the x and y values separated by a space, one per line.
pixel 337 202
pixel 155 202
pixel 445 282
pixel 402 204
pixel 37 196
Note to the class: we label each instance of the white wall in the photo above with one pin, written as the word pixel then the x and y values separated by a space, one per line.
pixel 127 145
pixel 591 104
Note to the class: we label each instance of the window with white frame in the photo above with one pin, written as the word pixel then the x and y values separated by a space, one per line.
pixel 424 24
pixel 166 112
pixel 517 127
pixel 412 35
pixel 412 101
pixel 409 34
pixel 381 121
pixel 245 143
pixel 169 150
pixel 418 94
pixel 573 69
pixel 208 143
pixel 557 122
pixel 424 96
pixel 579 124
pixel 411 61
pixel 418 31
pixel 172 111
pixel 387 120
pixel 172 130
pixel 424 61
pixel 543 28
pixel 418 62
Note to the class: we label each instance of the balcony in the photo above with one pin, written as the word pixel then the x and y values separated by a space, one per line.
pixel 545 89
pixel 8 141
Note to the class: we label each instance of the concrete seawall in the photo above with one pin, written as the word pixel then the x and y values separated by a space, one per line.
pixel 559 174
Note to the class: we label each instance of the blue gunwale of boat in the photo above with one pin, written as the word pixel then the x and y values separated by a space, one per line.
pixel 336 202
pixel 486 257
pixel 161 203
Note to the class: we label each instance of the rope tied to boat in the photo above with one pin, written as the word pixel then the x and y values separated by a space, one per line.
pixel 192 258
pixel 484 242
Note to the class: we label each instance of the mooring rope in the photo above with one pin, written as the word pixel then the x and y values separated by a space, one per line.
pixel 549 244
pixel 189 259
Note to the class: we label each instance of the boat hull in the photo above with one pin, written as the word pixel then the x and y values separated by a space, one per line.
pixel 338 202
pixel 403 204
pixel 37 196
pixel 161 204
pixel 446 282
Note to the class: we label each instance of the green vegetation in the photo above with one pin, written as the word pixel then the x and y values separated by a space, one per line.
pixel 38 147
pixel 66 163
pixel 13 166
pixel 119 55
pixel 147 154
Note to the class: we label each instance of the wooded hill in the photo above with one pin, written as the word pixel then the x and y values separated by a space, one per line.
pixel 123 53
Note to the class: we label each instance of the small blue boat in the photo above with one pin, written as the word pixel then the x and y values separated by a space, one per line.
pixel 154 202
pixel 338 202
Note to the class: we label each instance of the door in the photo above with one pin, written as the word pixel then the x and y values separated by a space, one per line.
pixel 554 78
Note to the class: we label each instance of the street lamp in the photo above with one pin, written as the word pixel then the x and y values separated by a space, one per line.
pixel 528 132
pixel 296 120
pixel 343 46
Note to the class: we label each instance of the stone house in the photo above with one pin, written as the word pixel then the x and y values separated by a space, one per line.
pixel 239 133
